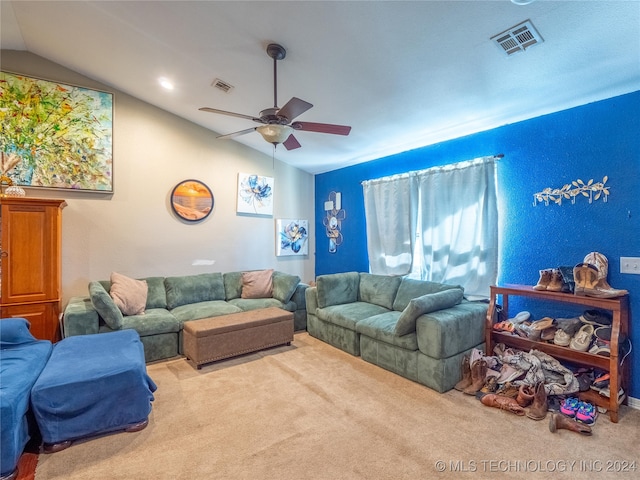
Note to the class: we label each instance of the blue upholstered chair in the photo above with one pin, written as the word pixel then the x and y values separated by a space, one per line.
pixel 22 358
pixel 92 385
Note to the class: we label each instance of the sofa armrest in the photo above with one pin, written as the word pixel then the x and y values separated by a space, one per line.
pixel 448 332
pixel 299 296
pixel 80 318
pixel 311 297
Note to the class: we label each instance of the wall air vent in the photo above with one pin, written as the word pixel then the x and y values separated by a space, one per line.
pixel 518 38
pixel 222 85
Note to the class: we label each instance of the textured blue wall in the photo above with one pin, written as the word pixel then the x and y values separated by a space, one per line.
pixel 586 142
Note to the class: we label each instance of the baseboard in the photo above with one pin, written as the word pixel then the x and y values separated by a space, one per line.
pixel 634 402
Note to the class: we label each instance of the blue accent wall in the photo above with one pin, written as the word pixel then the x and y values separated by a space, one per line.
pixel 587 142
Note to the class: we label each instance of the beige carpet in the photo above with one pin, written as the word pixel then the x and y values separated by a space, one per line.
pixel 309 411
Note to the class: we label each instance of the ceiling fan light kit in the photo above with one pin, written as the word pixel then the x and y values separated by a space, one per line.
pixel 277 127
pixel 274 133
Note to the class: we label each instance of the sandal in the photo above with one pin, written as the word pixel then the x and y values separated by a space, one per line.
pixel 504 327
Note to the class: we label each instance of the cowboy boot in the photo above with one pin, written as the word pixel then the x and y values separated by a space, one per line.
pixel 478 373
pixel 538 409
pixel 502 402
pixel 466 375
pixel 490 386
pixel 557 422
pixel 525 395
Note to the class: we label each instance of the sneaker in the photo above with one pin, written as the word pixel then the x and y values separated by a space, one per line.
pixel 582 339
pixel 601 381
pixel 569 407
pixel 586 413
pixel 606 392
pixel 561 338
pixel 596 317
pixel 569 325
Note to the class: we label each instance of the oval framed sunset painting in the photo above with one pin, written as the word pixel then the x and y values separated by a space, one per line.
pixel 192 200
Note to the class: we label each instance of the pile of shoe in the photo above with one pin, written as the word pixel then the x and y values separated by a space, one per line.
pixel 492 383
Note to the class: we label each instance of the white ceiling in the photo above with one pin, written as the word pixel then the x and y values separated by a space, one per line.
pixel 403 74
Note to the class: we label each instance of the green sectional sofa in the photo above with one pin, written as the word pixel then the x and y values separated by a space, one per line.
pixel 417 329
pixel 172 301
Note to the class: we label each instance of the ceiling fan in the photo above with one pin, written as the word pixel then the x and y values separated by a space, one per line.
pixel 277 123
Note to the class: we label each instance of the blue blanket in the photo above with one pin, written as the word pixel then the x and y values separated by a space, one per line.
pixel 92 384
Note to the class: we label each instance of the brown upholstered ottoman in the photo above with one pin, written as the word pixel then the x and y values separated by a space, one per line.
pixel 225 336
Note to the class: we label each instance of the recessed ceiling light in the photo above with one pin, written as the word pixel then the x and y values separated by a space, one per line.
pixel 522 2
pixel 165 83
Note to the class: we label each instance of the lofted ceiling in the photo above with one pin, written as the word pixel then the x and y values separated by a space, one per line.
pixel 403 74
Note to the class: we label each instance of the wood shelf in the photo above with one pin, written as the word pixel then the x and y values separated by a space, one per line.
pixel 619 307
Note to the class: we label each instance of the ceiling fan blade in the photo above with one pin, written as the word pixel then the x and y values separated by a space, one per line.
pixel 237 134
pixel 322 128
pixel 291 143
pixel 232 114
pixel 293 108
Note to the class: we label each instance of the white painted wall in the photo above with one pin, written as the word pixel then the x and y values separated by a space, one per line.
pixel 134 231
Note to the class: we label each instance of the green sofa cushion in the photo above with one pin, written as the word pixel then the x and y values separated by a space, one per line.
pixel 411 288
pixel 337 288
pixel 284 285
pixel 156 294
pixel 382 327
pixel 153 322
pixel 105 306
pixel 348 314
pixel 194 289
pixel 426 304
pixel 379 289
pixel 232 285
pixel 246 304
pixel 196 311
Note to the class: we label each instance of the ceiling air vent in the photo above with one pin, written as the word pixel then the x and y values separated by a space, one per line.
pixel 222 85
pixel 518 38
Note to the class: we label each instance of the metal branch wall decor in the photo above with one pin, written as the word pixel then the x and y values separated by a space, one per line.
pixel 592 190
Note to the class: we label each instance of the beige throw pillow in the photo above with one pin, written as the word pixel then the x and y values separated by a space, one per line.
pixel 258 284
pixel 129 295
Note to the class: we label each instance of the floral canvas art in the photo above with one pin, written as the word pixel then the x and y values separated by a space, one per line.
pixel 55 135
pixel 255 194
pixel 292 237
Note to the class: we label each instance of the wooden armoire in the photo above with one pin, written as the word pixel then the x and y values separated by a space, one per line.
pixel 30 262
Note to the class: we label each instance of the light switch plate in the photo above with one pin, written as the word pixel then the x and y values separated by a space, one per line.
pixel 630 265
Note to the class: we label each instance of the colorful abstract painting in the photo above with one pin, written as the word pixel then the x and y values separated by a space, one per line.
pixel 255 194
pixel 54 135
pixel 292 237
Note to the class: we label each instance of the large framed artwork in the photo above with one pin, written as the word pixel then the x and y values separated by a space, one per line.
pixel 292 237
pixel 55 135
pixel 255 194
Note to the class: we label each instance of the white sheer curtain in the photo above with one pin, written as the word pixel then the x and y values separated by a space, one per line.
pixel 459 225
pixel 451 211
pixel 391 210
